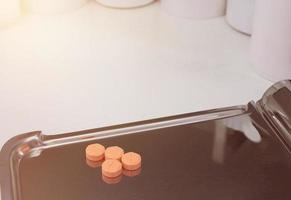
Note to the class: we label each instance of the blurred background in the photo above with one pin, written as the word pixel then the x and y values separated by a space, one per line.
pixel 69 65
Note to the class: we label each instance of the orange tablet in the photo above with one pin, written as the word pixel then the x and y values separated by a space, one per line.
pixel 131 161
pixel 95 152
pixel 114 152
pixel 111 168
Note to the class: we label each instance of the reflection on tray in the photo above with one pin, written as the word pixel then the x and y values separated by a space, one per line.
pixel 132 173
pixel 116 180
pixel 93 164
pixel 112 181
pixel 227 141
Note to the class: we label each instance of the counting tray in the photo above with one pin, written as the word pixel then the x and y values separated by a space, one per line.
pixel 190 156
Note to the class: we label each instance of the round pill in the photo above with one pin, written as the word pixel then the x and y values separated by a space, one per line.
pixel 95 152
pixel 131 161
pixel 114 152
pixel 111 168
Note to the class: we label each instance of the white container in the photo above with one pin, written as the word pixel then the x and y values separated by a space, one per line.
pixel 125 3
pixel 196 9
pixel 9 11
pixel 239 15
pixel 271 40
pixel 52 6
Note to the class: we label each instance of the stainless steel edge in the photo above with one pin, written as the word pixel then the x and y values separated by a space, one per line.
pixel 273 113
pixel 10 155
pixel 142 126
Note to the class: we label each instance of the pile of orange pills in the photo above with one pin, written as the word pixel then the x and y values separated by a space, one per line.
pixel 113 161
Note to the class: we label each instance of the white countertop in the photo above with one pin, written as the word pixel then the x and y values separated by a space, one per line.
pixel 99 66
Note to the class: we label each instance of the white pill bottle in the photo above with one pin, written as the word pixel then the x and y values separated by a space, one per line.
pixel 125 3
pixel 9 12
pixel 239 15
pixel 271 39
pixel 195 9
pixel 51 6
